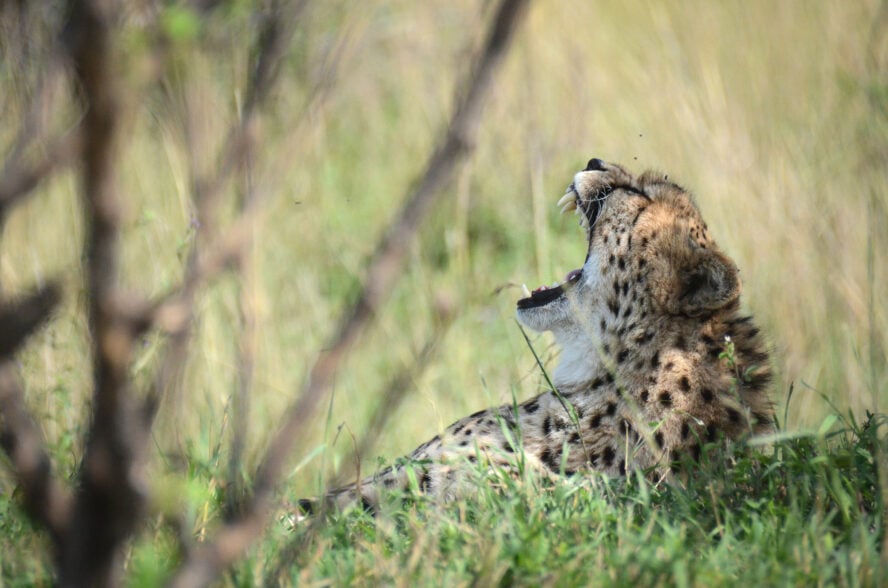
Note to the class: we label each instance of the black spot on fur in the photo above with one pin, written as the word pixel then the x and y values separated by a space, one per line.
pixel 665 399
pixel 645 395
pixel 477 414
pixel 621 356
pixel 616 288
pixel 594 421
pixel 367 505
pixel 458 428
pixel 645 337
pixel 425 481
pixel 602 325
pixel 627 312
pixel 658 438
pixel 707 395
pixel 711 433
pixel 621 263
pixel 552 459
pixel 574 438
pixel 306 506
pixel 547 425
pixel 655 360
pixel 463 443
pixel 596 383
pixel 622 468
pixel 611 259
pixel 684 384
pixel 606 348
pixel 625 288
pixel 614 306
pixel 532 406
pixel 507 447
pixel 669 365
pixel 685 430
pixel 611 408
pixel 609 378
pixel 608 456
pixel 696 451
pixel 733 416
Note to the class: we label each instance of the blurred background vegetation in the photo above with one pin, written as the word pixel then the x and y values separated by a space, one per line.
pixel 774 114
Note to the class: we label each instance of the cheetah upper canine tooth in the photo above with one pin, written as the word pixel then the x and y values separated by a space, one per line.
pixel 525 290
pixel 567 199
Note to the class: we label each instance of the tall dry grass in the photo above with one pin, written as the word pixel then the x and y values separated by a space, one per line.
pixel 774 114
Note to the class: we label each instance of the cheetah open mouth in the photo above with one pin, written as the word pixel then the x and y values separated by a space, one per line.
pixel 587 209
pixel 546 294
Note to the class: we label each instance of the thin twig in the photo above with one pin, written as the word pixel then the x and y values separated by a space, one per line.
pixel 206 562
pixel 392 395
pixel 277 28
pixel 26 165
pixel 246 356
pixel 20 318
pixel 395 391
pixel 46 501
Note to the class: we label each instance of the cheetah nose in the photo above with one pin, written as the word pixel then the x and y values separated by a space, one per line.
pixel 594 165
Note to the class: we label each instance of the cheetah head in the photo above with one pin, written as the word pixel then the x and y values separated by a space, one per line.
pixel 650 258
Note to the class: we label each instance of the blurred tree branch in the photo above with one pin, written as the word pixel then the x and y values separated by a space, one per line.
pixel 90 526
pixel 45 500
pixel 277 27
pixel 207 561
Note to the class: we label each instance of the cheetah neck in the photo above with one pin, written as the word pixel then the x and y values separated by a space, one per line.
pixel 719 354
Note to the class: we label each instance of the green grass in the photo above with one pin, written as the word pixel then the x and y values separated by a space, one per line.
pixel 773 114
pixel 805 511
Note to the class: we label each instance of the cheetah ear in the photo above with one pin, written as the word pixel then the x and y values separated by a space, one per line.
pixel 707 282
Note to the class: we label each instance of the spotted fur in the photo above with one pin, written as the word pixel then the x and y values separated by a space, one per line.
pixel 657 360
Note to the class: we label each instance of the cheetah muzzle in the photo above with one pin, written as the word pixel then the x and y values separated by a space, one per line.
pixel 657 361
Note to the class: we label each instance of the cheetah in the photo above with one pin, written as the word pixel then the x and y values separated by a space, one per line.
pixel 656 358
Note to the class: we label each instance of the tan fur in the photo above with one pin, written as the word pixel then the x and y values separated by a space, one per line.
pixel 643 332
